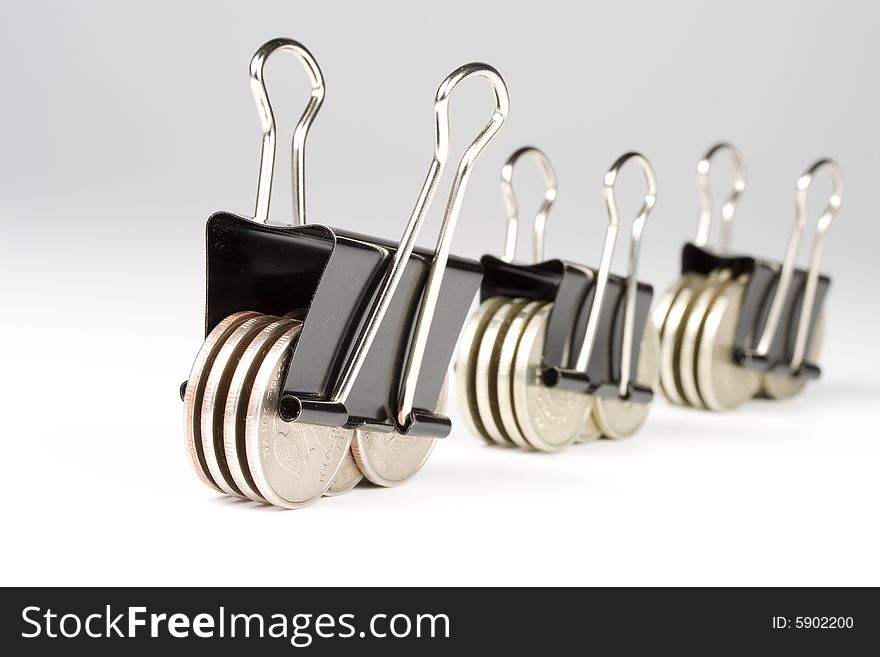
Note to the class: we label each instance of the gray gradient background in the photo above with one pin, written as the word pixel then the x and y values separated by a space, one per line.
pixel 125 124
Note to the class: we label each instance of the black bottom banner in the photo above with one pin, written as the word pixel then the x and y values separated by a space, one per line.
pixel 280 621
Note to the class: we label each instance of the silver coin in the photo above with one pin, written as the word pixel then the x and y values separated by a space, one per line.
pixel 291 463
pixel 549 418
pixel 348 477
pixel 723 384
pixel 488 354
pixel 214 400
pixel 661 310
pixel 590 430
pixel 466 365
pixel 785 386
pixel 503 379
pixel 668 318
pixel 689 334
pixel 195 388
pixel 389 459
pixel 235 413
pixel 618 418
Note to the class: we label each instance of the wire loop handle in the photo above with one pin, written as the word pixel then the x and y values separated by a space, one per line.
pixel 771 328
pixel 267 121
pixel 632 269
pixel 729 207
pixel 394 272
pixel 510 203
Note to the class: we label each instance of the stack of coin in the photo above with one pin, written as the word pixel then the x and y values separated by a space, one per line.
pixel 696 321
pixel 502 392
pixel 238 443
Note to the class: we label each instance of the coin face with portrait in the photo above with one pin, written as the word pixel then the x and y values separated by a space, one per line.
pixel 347 477
pixel 389 459
pixel 292 463
pixel 549 418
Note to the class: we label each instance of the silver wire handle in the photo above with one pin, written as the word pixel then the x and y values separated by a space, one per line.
pixel 550 189
pixel 395 271
pixel 267 121
pixel 774 315
pixel 632 282
pixel 729 207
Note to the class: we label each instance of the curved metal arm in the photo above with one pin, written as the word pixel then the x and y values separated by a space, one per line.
pixel 771 328
pixel 509 196
pixel 394 273
pixel 267 121
pixel 729 207
pixel 632 269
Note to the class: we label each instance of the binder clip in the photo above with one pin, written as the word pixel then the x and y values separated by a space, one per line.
pixel 734 326
pixel 558 352
pixel 326 348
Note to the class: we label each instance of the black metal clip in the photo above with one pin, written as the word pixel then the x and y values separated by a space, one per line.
pixel 381 319
pixel 781 303
pixel 595 327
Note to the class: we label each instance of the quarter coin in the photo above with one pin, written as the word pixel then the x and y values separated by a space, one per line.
pixel 689 334
pixel 195 388
pixel 214 400
pixel 785 386
pixel 503 380
pixel 291 463
pixel 235 413
pixel 619 418
pixel 389 459
pixel 723 384
pixel 590 430
pixel 348 477
pixel 548 418
pixel 668 318
pixel 466 365
pixel 488 354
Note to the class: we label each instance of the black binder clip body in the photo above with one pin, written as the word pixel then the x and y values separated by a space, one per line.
pixel 376 322
pixel 591 323
pixel 758 323
pixel 380 319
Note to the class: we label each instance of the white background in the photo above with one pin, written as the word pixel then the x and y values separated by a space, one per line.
pixel 124 125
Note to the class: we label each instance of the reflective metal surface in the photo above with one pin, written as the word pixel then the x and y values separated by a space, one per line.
pixel 195 389
pixel 729 207
pixel 638 226
pixel 510 203
pixel 503 380
pixel 389 459
pixel 549 418
pixel 234 415
pixel 488 357
pixel 723 384
pixel 466 365
pixel 291 463
pixel 267 121
pixel 620 418
pixel 217 388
